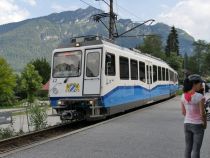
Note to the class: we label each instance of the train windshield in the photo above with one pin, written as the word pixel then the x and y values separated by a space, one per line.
pixel 67 64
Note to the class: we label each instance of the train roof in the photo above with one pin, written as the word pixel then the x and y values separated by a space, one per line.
pixel 83 41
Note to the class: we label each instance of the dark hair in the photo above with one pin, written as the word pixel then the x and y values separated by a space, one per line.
pixel 188 84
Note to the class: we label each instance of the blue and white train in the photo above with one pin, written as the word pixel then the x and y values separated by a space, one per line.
pixel 93 78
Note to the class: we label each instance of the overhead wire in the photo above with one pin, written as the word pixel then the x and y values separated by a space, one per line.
pixel 122 8
pixel 88 4
pixel 118 7
pixel 99 3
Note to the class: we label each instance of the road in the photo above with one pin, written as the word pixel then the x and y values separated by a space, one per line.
pixel 154 132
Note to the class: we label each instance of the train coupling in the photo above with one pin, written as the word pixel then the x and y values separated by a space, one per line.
pixel 71 115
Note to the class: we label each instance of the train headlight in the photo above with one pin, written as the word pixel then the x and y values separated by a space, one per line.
pixel 55 90
pixel 77 45
pixel 59 102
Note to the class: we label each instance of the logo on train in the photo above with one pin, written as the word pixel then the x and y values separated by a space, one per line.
pixel 72 87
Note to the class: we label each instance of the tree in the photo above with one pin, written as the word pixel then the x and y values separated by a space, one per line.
pixel 7 82
pixel 172 44
pixel 43 68
pixel 152 45
pixel 176 62
pixel 31 82
pixel 186 58
pixel 198 64
pixel 18 89
pixel 207 61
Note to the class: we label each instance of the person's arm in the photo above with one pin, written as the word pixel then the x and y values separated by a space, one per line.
pixel 203 112
pixel 183 109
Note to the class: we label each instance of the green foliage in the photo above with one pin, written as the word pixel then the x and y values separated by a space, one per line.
pixel 199 62
pixel 172 44
pixel 7 83
pixel 176 62
pixel 38 117
pixel 6 133
pixel 186 61
pixel 31 82
pixel 207 63
pixel 19 92
pixel 152 45
pixel 43 67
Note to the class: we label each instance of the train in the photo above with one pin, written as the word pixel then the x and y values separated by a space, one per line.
pixel 93 78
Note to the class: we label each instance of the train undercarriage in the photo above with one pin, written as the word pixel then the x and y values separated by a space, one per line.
pixel 86 109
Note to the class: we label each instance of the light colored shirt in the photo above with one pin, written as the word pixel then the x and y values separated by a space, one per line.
pixel 193 115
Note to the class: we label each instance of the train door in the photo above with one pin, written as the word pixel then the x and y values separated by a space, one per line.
pixel 149 77
pixel 92 71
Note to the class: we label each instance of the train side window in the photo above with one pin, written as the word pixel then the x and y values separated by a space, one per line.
pixel 142 75
pixel 124 68
pixel 134 69
pixel 167 77
pixel 147 69
pixel 159 73
pixel 171 76
pixel 163 74
pixel 151 75
pixel 110 64
pixel 176 77
pixel 154 73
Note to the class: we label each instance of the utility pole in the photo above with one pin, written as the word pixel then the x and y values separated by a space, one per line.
pixel 111 21
pixel 112 28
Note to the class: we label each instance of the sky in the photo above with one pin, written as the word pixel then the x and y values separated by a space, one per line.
pixel 190 15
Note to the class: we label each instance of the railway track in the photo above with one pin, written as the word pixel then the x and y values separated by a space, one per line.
pixel 25 140
pixel 17 142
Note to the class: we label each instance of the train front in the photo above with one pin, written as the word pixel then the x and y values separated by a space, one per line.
pixel 75 82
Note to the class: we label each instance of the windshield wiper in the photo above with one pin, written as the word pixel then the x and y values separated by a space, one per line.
pixel 66 80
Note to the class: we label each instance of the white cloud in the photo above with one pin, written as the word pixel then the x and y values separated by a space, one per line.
pixel 60 8
pixel 31 2
pixel 191 15
pixel 11 12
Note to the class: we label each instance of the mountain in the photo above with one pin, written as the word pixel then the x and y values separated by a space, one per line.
pixel 23 41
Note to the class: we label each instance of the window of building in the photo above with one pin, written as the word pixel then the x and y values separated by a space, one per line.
pixel 110 64
pixel 134 69
pixel 154 73
pixel 124 68
pixel 142 75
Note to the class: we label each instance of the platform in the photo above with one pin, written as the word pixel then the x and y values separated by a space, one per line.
pixel 154 132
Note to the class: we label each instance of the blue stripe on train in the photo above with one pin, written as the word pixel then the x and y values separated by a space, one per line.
pixel 126 94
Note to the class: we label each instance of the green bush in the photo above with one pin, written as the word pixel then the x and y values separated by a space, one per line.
pixel 38 117
pixel 6 133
